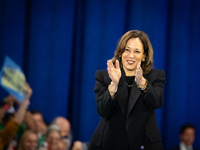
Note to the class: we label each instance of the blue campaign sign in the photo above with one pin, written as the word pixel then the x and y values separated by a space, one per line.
pixel 12 79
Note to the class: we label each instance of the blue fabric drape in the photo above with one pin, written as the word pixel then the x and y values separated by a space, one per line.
pixel 60 45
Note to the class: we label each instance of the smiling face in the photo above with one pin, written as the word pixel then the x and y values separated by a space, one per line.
pixel 53 139
pixel 132 55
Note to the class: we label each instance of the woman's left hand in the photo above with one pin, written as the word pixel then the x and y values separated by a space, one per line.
pixel 139 79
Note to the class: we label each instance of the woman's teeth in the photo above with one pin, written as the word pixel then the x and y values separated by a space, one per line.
pixel 130 62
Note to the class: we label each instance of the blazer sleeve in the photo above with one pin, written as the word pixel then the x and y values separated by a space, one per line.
pixel 154 95
pixel 105 105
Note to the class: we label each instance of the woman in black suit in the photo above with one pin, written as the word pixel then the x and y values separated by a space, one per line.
pixel 127 95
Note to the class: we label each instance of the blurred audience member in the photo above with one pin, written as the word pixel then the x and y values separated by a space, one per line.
pixel 65 127
pixel 63 124
pixel 187 137
pixel 11 100
pixel 9 115
pixel 53 137
pixel 2 112
pixel 40 126
pixel 7 105
pixel 28 122
pixel 28 141
pixel 11 127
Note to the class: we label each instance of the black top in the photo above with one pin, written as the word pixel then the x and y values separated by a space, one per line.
pixel 129 81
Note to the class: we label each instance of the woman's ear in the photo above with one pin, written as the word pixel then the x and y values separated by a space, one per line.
pixel 143 58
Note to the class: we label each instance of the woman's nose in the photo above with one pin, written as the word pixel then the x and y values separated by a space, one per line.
pixel 131 54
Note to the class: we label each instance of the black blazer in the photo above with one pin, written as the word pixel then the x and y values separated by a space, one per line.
pixel 135 129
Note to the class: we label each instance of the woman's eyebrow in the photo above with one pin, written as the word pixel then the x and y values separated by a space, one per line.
pixel 134 49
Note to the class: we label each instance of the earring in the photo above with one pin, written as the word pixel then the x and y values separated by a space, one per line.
pixel 143 60
pixel 120 55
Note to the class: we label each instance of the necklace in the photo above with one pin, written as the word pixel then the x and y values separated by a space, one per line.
pixel 129 85
pixel 130 81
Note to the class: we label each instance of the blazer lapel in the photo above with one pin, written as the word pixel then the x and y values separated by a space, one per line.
pixel 122 94
pixel 135 93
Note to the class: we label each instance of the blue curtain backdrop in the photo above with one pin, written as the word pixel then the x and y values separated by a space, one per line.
pixel 61 43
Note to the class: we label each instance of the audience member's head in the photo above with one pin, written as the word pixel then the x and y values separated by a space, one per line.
pixel 53 137
pixel 187 134
pixel 28 141
pixel 7 105
pixel 63 124
pixel 40 126
pixel 65 128
pixel 11 100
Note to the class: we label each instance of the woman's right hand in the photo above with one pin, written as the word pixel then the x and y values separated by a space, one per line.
pixel 114 72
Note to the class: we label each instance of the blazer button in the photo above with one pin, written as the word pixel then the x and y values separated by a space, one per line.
pixel 141 147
